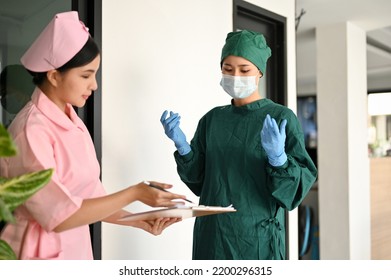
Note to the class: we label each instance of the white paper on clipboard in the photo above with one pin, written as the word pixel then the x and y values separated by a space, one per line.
pixel 183 212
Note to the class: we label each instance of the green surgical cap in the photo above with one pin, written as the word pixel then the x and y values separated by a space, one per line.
pixel 249 45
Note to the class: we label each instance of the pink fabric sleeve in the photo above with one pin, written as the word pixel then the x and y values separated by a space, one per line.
pixel 53 203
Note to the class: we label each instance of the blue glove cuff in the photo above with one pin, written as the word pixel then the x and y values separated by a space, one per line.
pixel 279 160
pixel 183 149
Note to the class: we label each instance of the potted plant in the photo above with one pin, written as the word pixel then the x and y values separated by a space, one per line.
pixel 15 191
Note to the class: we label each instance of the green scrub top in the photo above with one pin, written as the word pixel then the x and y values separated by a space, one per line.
pixel 227 165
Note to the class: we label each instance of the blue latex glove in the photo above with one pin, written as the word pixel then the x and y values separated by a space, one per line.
pixel 172 130
pixel 273 141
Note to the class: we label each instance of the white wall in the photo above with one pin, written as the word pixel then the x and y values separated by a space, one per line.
pixel 159 55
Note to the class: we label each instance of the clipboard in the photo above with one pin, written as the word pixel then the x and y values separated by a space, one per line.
pixel 183 212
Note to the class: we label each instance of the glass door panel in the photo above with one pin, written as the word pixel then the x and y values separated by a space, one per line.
pixel 21 21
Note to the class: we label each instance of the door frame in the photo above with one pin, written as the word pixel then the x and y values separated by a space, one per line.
pixel 90 12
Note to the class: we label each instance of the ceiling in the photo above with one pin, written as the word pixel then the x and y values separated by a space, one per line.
pixel 372 16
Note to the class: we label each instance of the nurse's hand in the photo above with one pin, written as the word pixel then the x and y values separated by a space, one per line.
pixel 158 195
pixel 173 131
pixel 157 226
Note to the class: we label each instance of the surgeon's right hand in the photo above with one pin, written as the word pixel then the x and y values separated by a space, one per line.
pixel 173 131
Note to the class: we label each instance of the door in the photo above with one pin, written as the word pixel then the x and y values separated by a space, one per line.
pixel 273 84
pixel 273 27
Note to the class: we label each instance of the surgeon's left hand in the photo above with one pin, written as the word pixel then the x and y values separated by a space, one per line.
pixel 273 141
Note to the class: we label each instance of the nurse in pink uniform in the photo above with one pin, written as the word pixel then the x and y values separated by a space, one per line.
pixel 53 224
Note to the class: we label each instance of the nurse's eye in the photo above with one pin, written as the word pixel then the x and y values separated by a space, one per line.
pixel 244 71
pixel 227 69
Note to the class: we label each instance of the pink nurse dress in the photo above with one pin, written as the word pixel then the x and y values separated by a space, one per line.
pixel 47 138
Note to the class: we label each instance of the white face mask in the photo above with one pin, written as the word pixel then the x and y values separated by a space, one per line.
pixel 239 86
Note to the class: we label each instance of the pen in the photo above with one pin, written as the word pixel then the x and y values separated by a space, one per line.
pixel 164 190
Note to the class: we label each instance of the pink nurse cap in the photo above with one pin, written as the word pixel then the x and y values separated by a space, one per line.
pixel 58 43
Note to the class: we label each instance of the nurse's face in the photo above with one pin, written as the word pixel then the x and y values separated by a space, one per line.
pixel 239 66
pixel 76 85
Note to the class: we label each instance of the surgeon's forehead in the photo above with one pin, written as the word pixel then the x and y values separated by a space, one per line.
pixel 237 61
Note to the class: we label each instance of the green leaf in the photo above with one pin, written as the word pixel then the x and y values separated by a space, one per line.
pixel 7 146
pixel 15 191
pixel 6 252
pixel 5 213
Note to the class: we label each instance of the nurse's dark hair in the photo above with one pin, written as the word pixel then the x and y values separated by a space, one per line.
pixel 87 54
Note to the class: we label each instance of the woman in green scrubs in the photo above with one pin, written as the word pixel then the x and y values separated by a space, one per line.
pixel 249 153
